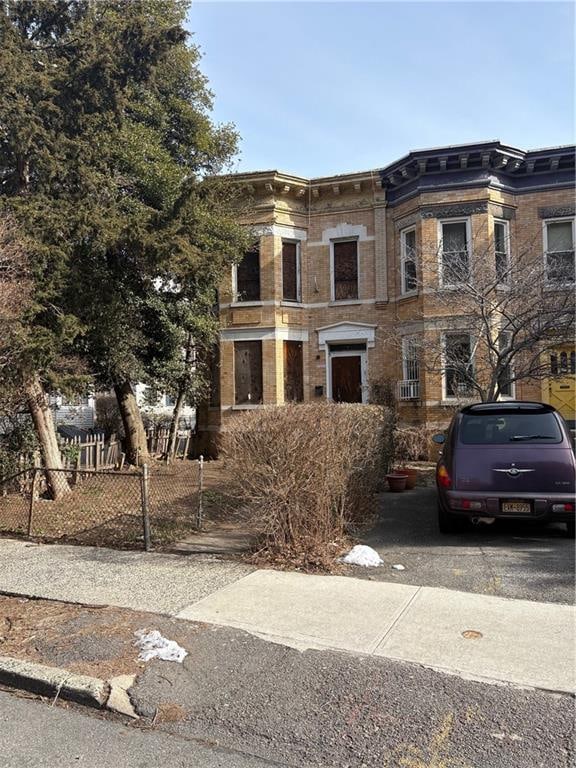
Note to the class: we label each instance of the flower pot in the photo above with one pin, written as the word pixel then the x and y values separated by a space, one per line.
pixel 411 474
pixel 396 483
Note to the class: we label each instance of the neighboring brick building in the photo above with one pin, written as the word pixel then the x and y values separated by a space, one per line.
pixel 319 308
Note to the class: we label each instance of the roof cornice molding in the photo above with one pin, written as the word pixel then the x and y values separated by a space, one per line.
pixel 472 164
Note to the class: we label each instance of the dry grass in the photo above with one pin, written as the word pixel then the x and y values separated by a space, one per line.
pixel 105 509
pixel 305 474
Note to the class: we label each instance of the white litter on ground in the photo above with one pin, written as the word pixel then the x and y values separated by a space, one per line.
pixel 399 567
pixel 153 645
pixel 363 555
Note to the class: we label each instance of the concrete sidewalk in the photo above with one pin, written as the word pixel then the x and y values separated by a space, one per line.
pixel 481 637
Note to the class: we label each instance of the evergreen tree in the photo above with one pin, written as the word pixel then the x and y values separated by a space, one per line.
pixel 106 149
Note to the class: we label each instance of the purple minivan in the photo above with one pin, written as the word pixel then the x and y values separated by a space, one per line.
pixel 509 459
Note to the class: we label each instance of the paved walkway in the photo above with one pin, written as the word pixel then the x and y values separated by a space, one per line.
pixel 477 636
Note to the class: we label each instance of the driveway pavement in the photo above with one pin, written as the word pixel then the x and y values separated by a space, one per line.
pixel 512 559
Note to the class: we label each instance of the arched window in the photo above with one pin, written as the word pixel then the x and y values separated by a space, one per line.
pixel 553 364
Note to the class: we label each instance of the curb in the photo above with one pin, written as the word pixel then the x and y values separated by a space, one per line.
pixel 59 683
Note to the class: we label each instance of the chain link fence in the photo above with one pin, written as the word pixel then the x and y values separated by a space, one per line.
pixel 131 509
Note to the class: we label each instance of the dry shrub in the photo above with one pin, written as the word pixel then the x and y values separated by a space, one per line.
pixel 412 443
pixel 305 473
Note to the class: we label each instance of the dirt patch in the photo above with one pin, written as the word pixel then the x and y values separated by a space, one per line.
pixel 85 639
pixel 106 509
pixel 168 712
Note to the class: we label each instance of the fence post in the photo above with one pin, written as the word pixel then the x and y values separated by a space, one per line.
pixel 32 495
pixel 200 511
pixel 144 488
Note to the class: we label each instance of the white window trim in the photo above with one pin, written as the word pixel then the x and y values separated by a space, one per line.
pixel 404 258
pixel 362 354
pixel 445 396
pixel 356 240
pixel 506 225
pixel 298 271
pixel 441 222
pixel 558 220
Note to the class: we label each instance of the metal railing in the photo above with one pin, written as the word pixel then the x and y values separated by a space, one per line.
pixel 409 389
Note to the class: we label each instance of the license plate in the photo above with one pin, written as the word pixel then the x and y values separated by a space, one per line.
pixel 516 507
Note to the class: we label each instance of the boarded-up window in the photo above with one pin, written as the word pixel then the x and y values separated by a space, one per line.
pixel 248 372
pixel 248 276
pixel 293 372
pixel 345 270
pixel 290 272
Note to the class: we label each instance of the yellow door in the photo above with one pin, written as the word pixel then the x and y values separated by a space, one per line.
pixel 562 388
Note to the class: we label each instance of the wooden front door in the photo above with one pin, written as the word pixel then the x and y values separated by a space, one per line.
pixel 347 379
pixel 562 388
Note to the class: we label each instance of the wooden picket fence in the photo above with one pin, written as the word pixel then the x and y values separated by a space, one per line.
pixel 157 438
pixel 91 452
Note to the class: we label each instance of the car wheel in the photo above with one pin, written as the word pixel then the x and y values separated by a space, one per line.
pixel 571 529
pixel 447 522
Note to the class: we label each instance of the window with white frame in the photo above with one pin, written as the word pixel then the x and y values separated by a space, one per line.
pixel 410 384
pixel 344 269
pixel 408 260
pixel 505 384
pixel 458 365
pixel 454 251
pixel 291 282
pixel 502 251
pixel 559 250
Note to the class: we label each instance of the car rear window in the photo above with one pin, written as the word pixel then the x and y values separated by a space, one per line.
pixel 509 428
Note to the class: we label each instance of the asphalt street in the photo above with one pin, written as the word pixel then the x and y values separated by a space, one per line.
pixel 326 708
pixel 34 734
pixel 508 559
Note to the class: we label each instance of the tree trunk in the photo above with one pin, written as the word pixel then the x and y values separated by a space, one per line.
pixel 173 433
pixel 135 434
pixel 46 433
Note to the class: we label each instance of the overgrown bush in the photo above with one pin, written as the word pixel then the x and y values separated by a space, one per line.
pixel 305 473
pixel 412 443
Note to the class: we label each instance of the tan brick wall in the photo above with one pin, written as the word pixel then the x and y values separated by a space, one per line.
pixel 379 259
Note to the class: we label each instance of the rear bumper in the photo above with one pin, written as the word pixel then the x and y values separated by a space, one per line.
pixel 543 507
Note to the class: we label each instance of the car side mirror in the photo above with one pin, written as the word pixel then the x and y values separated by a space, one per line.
pixel 439 439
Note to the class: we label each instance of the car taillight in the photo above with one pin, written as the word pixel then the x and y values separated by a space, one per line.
pixel 444 478
pixel 562 507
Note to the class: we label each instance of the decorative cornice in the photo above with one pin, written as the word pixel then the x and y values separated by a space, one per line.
pixel 450 211
pixel 556 211
pixel 407 221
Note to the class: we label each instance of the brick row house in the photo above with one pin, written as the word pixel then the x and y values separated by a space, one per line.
pixel 334 298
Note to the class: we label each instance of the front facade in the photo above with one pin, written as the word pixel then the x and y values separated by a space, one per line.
pixel 333 303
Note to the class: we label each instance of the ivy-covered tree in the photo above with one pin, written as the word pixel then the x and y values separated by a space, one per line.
pixel 106 145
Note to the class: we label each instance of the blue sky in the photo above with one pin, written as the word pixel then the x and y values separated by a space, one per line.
pixel 322 88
